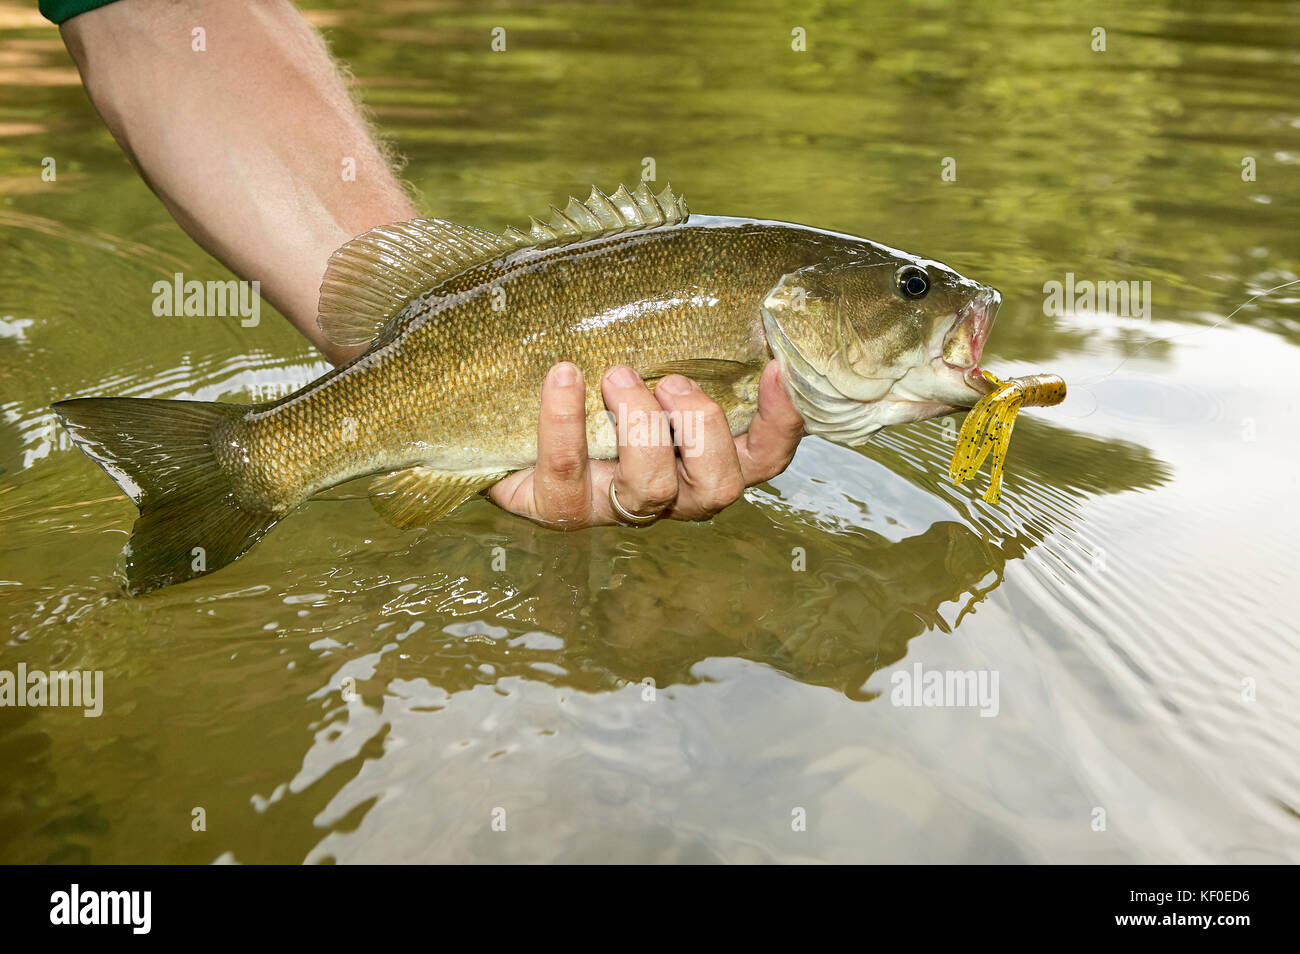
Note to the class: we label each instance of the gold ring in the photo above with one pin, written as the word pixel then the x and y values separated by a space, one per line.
pixel 635 519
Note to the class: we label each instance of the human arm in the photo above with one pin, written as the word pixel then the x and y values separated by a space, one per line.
pixel 247 141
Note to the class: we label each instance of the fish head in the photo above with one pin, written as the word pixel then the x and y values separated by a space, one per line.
pixel 878 337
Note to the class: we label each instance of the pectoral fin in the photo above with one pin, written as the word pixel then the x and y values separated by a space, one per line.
pixel 418 496
pixel 730 383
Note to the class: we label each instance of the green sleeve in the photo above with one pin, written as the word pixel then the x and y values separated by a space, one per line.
pixel 56 11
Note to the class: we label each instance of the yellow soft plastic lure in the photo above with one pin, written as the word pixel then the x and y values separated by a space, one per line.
pixel 987 427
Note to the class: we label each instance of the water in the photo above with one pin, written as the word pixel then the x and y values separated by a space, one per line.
pixel 349 692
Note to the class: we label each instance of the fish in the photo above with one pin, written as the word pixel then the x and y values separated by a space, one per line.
pixel 460 326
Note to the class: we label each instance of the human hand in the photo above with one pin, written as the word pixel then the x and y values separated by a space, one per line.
pixel 566 490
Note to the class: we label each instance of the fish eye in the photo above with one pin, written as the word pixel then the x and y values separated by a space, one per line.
pixel 913 283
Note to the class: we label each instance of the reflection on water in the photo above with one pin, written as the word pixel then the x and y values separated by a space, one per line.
pixel 349 692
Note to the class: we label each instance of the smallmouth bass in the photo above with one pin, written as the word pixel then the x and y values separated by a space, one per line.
pixel 463 325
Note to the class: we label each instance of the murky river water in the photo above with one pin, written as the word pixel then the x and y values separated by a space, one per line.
pixel 349 692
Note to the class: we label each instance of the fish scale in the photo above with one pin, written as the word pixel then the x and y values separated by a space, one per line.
pixel 426 398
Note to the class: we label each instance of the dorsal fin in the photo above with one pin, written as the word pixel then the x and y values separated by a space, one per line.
pixel 371 278
pixel 604 215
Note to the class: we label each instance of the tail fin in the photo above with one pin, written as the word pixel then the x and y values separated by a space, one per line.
pixel 161 454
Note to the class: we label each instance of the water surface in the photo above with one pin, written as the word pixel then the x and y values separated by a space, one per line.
pixel 349 692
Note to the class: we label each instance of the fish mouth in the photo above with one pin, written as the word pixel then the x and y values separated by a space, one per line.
pixel 963 346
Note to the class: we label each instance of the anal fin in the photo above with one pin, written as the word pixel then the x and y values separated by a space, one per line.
pixel 419 496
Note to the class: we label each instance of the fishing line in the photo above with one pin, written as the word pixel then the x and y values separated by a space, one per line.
pixel 1193 331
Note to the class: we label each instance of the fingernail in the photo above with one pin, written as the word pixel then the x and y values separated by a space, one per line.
pixel 676 384
pixel 623 377
pixel 565 374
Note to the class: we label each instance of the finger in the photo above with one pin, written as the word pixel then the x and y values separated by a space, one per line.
pixel 774 434
pixel 561 477
pixel 514 492
pixel 646 476
pixel 710 477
